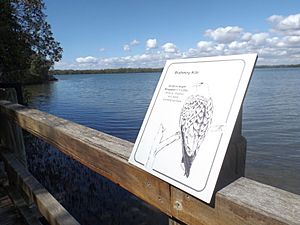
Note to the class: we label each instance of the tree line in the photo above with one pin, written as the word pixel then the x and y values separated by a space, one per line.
pixel 140 70
pixel 279 66
pixel 27 45
pixel 106 71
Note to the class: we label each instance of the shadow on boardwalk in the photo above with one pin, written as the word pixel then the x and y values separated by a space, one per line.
pixel 9 215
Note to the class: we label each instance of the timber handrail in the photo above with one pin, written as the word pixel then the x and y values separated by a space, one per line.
pixel 47 205
pixel 242 202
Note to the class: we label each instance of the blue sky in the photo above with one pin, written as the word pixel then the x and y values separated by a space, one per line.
pixel 99 34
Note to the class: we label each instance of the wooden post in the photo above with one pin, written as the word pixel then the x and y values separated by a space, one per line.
pixel 233 166
pixel 242 202
pixel 11 135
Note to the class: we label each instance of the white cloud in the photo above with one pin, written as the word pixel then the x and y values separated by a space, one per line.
pixel 259 38
pixel 278 45
pixel 209 48
pixel 126 48
pixel 134 42
pixel 101 49
pixel 275 19
pixel 152 59
pixel 289 25
pixel 220 47
pixel 151 43
pixel 169 48
pixel 142 60
pixel 191 52
pixel 280 49
pixel 237 45
pixel 246 36
pixel 293 39
pixel 224 34
pixel 205 46
pixel 88 59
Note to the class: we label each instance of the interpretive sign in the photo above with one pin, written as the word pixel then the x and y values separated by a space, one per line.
pixel 189 122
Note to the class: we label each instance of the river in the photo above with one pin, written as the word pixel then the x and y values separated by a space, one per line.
pixel 116 104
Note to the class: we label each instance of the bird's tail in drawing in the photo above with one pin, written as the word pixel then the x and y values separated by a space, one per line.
pixel 186 159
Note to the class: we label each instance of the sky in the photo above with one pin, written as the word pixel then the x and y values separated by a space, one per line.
pixel 98 34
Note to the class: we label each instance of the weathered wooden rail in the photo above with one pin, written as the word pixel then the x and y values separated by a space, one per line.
pixel 244 201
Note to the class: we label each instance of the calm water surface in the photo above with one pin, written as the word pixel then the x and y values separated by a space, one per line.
pixel 113 103
pixel 117 103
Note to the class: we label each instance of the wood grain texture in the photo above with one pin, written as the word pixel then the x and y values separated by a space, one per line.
pixel 257 203
pixel 102 153
pixel 11 136
pixel 47 205
pixel 29 213
pixel 108 156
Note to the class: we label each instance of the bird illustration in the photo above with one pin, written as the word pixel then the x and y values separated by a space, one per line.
pixel 195 119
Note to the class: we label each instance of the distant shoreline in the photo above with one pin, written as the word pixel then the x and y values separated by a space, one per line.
pixel 142 70
pixel 106 71
pixel 279 66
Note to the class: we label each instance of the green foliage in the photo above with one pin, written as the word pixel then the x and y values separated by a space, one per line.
pixel 14 50
pixel 27 46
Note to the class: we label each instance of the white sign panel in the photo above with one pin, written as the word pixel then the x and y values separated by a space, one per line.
pixel 188 125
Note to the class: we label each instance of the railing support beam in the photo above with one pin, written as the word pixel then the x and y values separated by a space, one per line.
pixel 242 202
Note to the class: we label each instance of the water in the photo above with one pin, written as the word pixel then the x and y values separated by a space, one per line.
pixel 117 103
pixel 271 124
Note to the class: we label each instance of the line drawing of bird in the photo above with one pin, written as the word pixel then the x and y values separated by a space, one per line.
pixel 194 121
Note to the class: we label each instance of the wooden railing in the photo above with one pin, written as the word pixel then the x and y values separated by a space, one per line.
pixel 243 201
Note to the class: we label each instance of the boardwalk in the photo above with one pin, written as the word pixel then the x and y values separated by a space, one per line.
pixel 243 201
pixel 14 210
pixel 9 214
